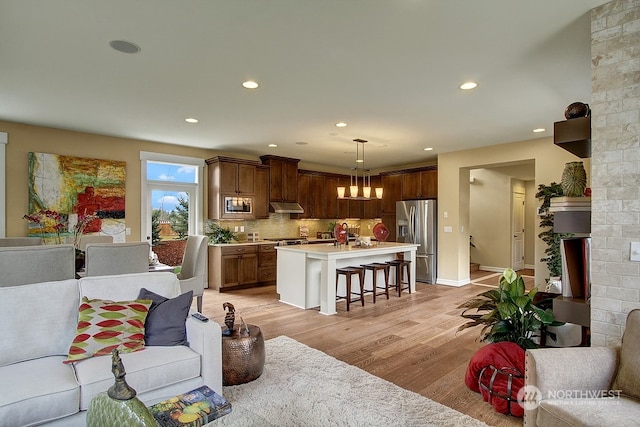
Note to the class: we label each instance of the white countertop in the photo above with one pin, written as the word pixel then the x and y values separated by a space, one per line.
pixel 329 250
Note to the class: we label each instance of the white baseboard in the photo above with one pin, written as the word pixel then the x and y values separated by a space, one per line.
pixel 454 283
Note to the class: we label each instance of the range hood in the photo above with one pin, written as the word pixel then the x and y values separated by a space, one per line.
pixel 286 207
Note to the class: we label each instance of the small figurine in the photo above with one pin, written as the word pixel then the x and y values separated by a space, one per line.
pixel 120 390
pixel 229 319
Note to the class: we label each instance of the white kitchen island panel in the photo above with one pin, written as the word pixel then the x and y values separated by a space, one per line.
pixel 306 274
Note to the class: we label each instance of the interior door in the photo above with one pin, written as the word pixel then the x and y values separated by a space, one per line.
pixel 517 248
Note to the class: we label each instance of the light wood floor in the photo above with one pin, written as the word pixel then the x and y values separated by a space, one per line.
pixel 410 341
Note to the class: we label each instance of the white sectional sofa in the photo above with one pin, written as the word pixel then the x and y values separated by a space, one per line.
pixel 38 325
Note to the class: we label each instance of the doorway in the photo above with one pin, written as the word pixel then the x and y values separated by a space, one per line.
pixel 501 227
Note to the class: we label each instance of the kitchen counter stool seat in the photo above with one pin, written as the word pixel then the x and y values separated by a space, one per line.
pixel 402 272
pixel 348 272
pixel 375 267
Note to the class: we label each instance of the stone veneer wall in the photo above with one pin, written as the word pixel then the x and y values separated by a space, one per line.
pixel 615 166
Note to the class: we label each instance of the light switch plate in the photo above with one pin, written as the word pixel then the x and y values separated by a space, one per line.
pixel 448 229
pixel 635 251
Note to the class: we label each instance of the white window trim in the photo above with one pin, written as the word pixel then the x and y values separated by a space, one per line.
pixel 4 140
pixel 197 204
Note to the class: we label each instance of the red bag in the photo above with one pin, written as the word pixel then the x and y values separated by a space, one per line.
pixel 500 388
pixel 502 392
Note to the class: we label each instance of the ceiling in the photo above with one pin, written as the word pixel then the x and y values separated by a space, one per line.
pixel 390 69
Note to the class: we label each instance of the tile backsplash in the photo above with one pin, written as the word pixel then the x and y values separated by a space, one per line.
pixel 281 226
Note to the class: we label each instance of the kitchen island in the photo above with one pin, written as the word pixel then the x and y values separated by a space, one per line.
pixel 306 274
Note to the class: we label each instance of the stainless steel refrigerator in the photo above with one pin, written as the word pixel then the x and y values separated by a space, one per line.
pixel 417 222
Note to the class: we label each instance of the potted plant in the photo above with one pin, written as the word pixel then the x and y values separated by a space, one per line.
pixel 509 313
pixel 218 234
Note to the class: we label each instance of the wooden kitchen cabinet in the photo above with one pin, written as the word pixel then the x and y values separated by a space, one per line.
pixel 421 184
pixel 311 195
pixel 267 264
pixel 303 196
pixel 392 184
pixel 233 266
pixel 336 208
pixel 241 266
pixel 283 178
pixel 373 207
pixel 261 199
pixel 237 178
pixel 230 177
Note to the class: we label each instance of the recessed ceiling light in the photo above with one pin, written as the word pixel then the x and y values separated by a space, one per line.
pixel 341 125
pixel 428 149
pixel 124 46
pixel 191 120
pixel 539 130
pixel 272 145
pixel 250 84
pixel 468 85
pixel 301 143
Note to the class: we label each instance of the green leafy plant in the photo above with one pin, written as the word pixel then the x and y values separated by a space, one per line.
pixel 508 313
pixel 218 234
pixel 553 254
pixel 179 218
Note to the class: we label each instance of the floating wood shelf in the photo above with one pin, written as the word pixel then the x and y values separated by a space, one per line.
pixel 574 135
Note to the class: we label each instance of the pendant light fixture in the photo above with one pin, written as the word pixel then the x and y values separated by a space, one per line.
pixel 359 174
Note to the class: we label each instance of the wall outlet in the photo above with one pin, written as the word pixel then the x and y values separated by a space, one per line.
pixel 127 231
pixel 635 251
pixel 242 228
pixel 236 229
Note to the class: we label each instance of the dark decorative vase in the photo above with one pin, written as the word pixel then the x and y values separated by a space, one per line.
pixel 79 260
pixel 574 179
pixel 577 109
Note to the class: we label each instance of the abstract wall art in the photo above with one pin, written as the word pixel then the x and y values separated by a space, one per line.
pixel 76 187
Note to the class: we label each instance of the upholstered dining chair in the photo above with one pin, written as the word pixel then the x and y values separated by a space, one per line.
pixel 20 241
pixel 193 274
pixel 104 259
pixel 34 264
pixel 85 239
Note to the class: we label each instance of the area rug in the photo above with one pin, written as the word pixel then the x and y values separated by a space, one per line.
pixel 301 386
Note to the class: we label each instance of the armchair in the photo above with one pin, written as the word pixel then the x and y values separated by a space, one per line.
pixel 194 267
pixel 586 386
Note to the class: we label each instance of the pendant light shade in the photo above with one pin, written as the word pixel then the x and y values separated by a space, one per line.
pixel 360 173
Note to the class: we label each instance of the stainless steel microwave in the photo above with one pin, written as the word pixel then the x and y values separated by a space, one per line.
pixel 238 205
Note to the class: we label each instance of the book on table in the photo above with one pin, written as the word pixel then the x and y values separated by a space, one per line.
pixel 192 409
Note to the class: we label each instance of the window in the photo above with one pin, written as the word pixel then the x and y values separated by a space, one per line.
pixel 172 187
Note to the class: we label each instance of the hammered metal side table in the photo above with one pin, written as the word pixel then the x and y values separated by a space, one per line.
pixel 242 355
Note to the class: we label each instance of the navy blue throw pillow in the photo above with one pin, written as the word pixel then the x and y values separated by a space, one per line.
pixel 165 323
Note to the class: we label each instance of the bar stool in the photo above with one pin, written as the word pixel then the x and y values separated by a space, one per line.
pixel 402 270
pixel 347 272
pixel 375 267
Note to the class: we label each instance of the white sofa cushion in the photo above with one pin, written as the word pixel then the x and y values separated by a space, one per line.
pixel 48 311
pixel 37 390
pixel 596 412
pixel 149 369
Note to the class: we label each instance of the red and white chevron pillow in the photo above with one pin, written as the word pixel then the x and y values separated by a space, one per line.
pixel 105 325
